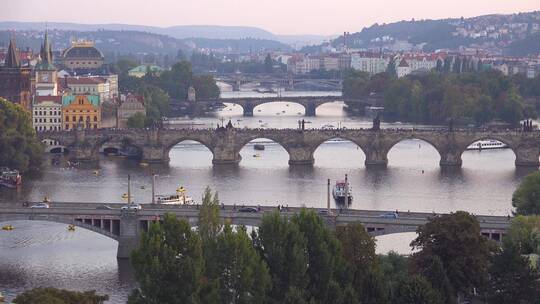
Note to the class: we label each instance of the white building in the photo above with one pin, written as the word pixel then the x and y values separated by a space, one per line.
pixel 329 63
pixel 370 63
pixel 47 113
pixel 403 69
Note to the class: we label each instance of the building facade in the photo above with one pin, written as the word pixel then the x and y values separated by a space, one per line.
pixel 369 63
pixel 47 113
pixel 82 55
pixel 82 111
pixel 130 105
pixel 15 84
pixel 89 85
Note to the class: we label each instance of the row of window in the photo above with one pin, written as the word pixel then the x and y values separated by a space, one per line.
pixel 81 118
pixel 88 126
pixel 43 120
pixel 47 128
pixel 51 113
pixel 83 62
pixel 80 111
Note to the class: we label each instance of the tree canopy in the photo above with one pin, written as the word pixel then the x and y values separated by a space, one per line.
pixel 59 296
pixel 19 147
pixel 526 198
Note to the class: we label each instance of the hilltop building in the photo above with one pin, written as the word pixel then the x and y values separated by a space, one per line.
pixel 15 84
pixel 82 111
pixel 82 55
pixel 403 69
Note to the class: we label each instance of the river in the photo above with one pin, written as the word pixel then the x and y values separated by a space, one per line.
pixel 46 254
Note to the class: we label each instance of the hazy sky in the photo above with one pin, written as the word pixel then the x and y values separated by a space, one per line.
pixel 278 16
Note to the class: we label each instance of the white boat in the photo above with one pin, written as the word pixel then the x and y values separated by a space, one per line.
pixel 174 199
pixel 487 145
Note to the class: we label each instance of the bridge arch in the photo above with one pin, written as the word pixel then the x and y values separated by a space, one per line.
pixel 196 141
pixel 53 146
pixel 340 139
pixel 421 139
pixel 274 140
pixel 113 232
pixel 526 154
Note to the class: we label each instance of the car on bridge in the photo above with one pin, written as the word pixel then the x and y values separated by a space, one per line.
pixel 389 215
pixel 248 209
pixel 131 207
pixel 40 206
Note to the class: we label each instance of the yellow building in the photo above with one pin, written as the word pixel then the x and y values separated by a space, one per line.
pixel 81 110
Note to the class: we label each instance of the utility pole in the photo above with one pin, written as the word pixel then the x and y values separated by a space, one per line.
pixel 346 191
pixel 129 189
pixel 153 188
pixel 328 196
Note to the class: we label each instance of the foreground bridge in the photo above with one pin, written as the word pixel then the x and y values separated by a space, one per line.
pixel 126 226
pixel 225 143
pixel 248 104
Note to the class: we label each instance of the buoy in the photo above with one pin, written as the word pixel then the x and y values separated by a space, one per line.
pixel 7 227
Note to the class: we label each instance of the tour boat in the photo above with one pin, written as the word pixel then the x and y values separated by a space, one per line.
pixel 487 145
pixel 342 189
pixel 10 178
pixel 174 199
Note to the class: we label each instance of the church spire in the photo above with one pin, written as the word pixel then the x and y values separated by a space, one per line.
pixel 12 58
pixel 45 54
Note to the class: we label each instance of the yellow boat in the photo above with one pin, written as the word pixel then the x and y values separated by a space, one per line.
pixel 125 196
pixel 181 189
pixel 7 227
pixel 71 227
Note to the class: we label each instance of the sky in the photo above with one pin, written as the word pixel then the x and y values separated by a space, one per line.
pixel 320 17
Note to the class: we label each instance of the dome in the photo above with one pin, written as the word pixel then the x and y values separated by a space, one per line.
pixel 77 52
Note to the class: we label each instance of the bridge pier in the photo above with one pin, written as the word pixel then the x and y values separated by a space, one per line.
pixel 527 157
pixel 128 240
pixel 300 156
pixel 248 109
pixel 82 153
pixel 451 159
pixel 376 158
pixel 311 109
pixel 155 154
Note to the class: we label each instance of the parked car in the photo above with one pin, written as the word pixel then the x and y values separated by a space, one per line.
pixel 390 215
pixel 248 209
pixel 40 206
pixel 132 207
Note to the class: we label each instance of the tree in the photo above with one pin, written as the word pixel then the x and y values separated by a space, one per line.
pixel 59 296
pixel 455 238
pixel 19 147
pixel 324 257
pixel 137 120
pixel 526 198
pixel 168 264
pixel 435 274
pixel 512 279
pixel 283 248
pixel 242 275
pixel 393 268
pixel 268 64
pixel 525 231
pixel 358 249
pixel 205 86
pixel 416 290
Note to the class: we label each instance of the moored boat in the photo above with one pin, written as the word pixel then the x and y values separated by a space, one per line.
pixel 342 192
pixel 174 199
pixel 10 178
pixel 258 147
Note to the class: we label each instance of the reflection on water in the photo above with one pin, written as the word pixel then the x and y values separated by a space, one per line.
pixel 46 254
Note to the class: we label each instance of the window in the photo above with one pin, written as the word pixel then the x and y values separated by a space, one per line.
pixel 67 126
pixel 95 118
pixel 67 118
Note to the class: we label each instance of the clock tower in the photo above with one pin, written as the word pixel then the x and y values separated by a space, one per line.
pixel 46 74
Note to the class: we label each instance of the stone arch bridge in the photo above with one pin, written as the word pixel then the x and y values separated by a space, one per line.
pixel 126 226
pixel 225 143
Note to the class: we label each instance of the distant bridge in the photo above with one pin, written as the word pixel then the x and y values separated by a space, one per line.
pixel 248 104
pixel 225 143
pixel 285 81
pixel 126 226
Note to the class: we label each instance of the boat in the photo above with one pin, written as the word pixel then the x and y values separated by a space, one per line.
pixel 256 155
pixel 174 199
pixel 258 147
pixel 341 191
pixel 7 227
pixel 10 178
pixel 46 199
pixel 487 145
pixel 71 227
pixel 265 91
